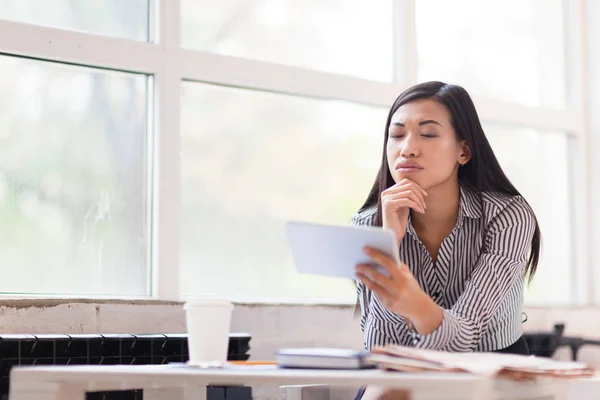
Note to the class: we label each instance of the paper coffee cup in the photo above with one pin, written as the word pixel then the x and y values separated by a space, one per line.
pixel 208 324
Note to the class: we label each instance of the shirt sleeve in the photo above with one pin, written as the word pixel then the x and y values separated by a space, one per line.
pixel 363 294
pixel 500 267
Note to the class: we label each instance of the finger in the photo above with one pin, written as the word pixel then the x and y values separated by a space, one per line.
pixel 387 262
pixel 416 186
pixel 407 187
pixel 418 191
pixel 411 194
pixel 371 271
pixel 379 290
pixel 396 204
pixel 398 187
pixel 383 296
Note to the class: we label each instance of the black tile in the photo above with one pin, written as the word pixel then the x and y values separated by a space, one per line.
pixel 127 360
pixel 43 361
pixel 90 341
pixel 238 393
pixel 94 347
pixel 215 393
pixel 110 361
pixel 94 396
pixel 128 346
pixel 239 344
pixel 115 395
pixel 78 361
pixel 43 348
pixel 27 347
pixel 112 345
pixel 143 360
pixel 173 359
pixel 105 348
pixel 62 361
pixel 185 350
pixel 73 347
pixel 61 346
pixel 174 346
pixel 160 345
pixel 238 357
pixel 4 386
pixel 158 360
pixel 5 366
pixel 27 361
pixel 10 346
pixel 141 346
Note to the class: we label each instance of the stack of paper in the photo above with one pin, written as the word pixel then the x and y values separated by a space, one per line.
pixel 409 359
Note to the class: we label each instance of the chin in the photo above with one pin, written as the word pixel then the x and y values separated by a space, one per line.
pixel 419 180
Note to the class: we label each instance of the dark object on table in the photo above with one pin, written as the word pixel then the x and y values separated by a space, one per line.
pixel 545 344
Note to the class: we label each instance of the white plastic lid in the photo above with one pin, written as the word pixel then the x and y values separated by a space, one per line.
pixel 207 301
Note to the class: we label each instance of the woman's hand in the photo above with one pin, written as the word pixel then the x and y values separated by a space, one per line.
pixel 400 292
pixel 396 201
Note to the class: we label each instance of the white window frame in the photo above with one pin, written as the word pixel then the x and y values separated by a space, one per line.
pixel 590 73
pixel 169 64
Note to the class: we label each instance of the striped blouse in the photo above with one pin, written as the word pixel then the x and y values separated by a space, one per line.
pixel 478 278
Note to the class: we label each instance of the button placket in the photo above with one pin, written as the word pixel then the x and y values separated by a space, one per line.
pixel 442 266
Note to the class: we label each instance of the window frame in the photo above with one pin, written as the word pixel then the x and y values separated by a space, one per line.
pixel 168 64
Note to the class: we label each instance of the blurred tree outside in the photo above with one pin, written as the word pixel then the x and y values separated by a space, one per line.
pixel 73 216
pixel 252 160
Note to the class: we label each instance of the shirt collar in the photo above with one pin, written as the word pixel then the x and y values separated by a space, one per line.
pixel 470 203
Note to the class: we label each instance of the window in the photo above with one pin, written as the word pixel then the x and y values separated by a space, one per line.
pixel 510 50
pixel 119 18
pixel 542 177
pixel 130 167
pixel 73 216
pixel 350 37
pixel 508 54
pixel 252 160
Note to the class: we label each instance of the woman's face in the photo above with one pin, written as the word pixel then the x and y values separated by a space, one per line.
pixel 422 145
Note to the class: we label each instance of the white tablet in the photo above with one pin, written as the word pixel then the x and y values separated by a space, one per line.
pixel 333 250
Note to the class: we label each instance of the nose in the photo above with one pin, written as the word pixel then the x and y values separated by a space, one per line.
pixel 410 146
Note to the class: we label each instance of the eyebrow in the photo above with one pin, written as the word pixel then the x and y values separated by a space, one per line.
pixel 427 121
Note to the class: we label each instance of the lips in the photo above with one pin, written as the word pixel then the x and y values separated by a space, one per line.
pixel 408 165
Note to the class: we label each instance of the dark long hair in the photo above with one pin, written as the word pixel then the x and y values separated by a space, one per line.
pixel 481 173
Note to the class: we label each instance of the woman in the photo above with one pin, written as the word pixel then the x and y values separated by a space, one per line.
pixel 466 237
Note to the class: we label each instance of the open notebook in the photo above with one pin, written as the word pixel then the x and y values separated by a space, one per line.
pixel 408 359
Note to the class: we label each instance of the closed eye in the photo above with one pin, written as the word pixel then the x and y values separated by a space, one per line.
pixel 429 135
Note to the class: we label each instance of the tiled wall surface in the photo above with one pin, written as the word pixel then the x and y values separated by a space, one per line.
pixel 109 349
